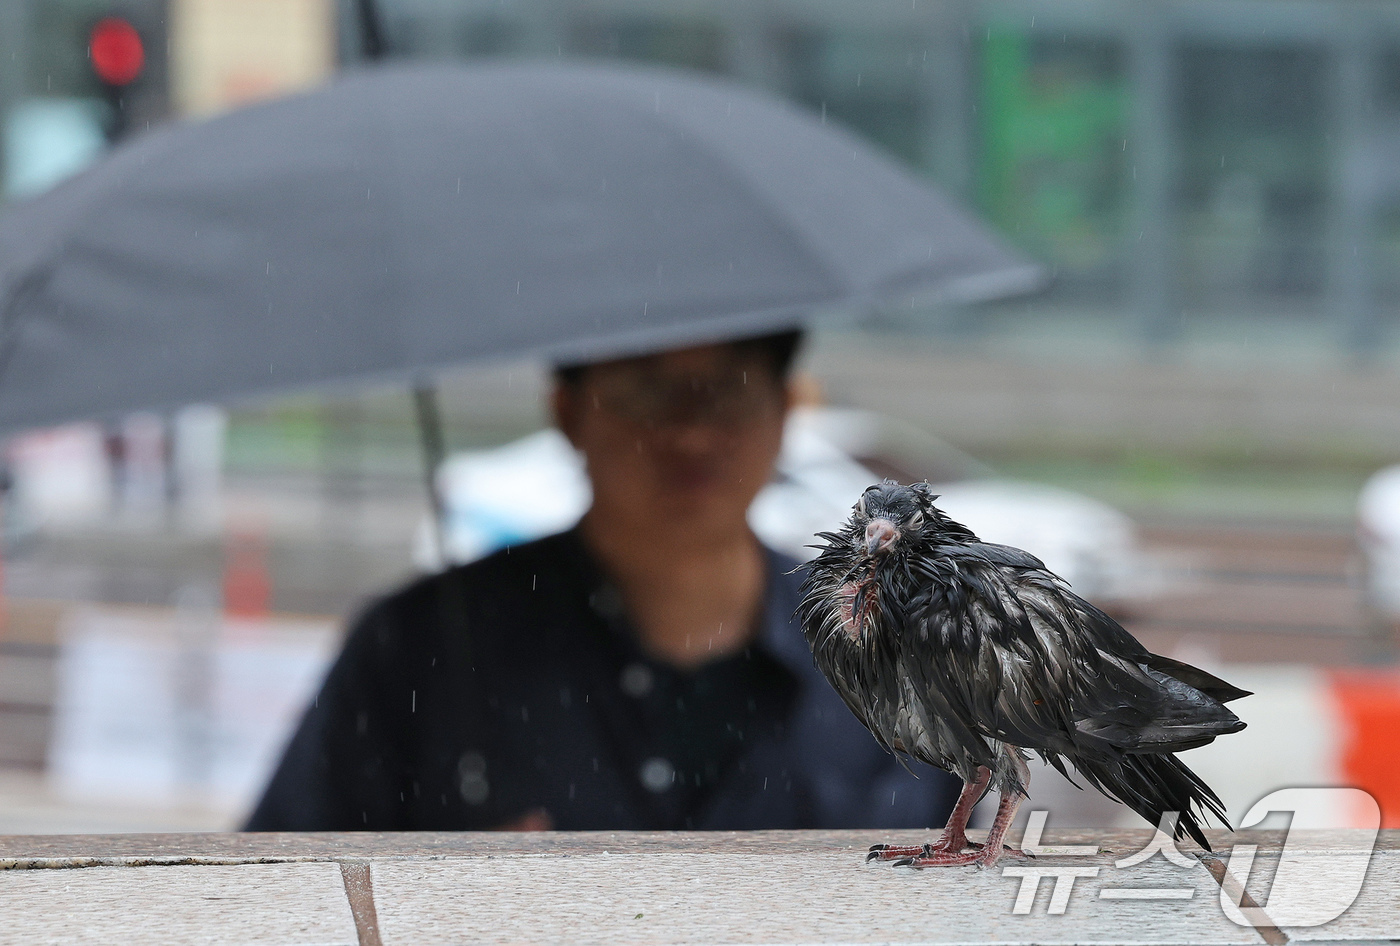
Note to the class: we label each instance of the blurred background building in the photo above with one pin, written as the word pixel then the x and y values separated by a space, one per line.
pixel 1213 182
pixel 1183 165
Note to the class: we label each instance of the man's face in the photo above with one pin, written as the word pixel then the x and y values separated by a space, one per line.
pixel 678 441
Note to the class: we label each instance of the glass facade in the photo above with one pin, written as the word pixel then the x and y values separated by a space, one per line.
pixel 1052 123
pixel 1253 161
pixel 870 80
pixel 1170 160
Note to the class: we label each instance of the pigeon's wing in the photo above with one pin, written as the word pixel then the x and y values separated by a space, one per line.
pixel 1020 658
pixel 1006 555
pixel 972 650
pixel 1131 710
pixel 1017 657
pixel 1208 684
pixel 1141 702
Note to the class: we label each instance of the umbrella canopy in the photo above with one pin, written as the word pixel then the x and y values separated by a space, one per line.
pixel 405 219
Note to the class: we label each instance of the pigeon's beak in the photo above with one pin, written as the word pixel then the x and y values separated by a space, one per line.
pixel 880 535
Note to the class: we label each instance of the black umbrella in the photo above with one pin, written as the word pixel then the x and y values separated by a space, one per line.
pixel 405 219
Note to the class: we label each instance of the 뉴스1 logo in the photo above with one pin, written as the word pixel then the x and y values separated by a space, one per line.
pixel 1309 887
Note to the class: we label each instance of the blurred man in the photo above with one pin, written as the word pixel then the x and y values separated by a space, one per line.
pixel 640 671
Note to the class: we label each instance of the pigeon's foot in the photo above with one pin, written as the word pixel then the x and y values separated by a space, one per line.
pixel 980 856
pixel 907 855
pixel 945 845
pixel 943 859
pixel 893 852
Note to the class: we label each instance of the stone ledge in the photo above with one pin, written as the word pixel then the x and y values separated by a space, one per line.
pixel 624 887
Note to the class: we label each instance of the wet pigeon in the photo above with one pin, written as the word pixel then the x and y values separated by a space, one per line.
pixel 967 655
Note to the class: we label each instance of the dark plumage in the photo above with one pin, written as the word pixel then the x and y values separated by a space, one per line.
pixel 964 655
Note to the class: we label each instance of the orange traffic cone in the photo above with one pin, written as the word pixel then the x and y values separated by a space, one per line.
pixel 247 581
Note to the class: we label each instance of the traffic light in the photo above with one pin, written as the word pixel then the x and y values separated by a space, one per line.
pixel 118 57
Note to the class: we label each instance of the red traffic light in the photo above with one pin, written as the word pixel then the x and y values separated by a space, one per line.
pixel 116 51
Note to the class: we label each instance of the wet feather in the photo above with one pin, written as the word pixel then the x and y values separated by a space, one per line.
pixel 962 654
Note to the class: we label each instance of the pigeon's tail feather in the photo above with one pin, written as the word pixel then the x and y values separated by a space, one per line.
pixel 1153 784
pixel 1207 683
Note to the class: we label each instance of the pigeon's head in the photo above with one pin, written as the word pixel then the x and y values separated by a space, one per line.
pixel 891 514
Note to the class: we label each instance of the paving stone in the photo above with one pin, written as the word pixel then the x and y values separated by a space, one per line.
pixel 252 904
pixel 822 895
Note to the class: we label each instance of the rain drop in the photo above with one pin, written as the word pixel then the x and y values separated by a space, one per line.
pixel 636 680
pixel 657 774
pixel 471 778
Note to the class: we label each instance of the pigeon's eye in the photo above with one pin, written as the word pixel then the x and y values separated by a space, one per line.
pixel 916 521
pixel 860 506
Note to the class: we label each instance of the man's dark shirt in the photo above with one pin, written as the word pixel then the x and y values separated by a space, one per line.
pixel 514 684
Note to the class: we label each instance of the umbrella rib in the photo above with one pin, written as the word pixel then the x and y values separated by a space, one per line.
pixel 29 285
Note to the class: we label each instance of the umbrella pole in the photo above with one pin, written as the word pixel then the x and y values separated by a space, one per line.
pixel 425 403
pixel 372 44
